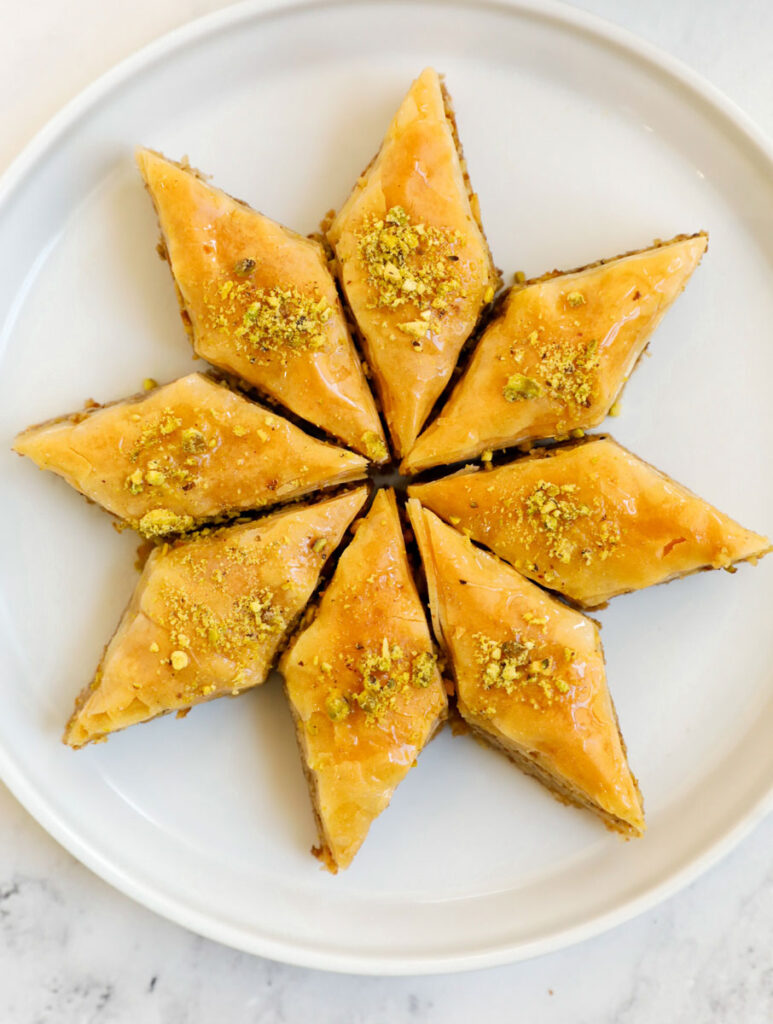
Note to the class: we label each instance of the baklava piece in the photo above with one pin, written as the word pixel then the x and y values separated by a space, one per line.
pixel 530 676
pixel 413 259
pixel 559 353
pixel 259 301
pixel 182 454
pixel 363 685
pixel 209 615
pixel 590 521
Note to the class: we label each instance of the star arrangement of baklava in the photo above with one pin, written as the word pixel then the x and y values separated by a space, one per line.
pixel 508 553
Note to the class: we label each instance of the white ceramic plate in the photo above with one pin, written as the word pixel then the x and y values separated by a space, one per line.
pixel 582 143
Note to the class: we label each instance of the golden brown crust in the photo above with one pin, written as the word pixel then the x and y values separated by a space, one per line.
pixel 555 358
pixel 363 683
pixel 185 453
pixel 258 300
pixel 210 616
pixel 413 312
pixel 658 243
pixel 590 520
pixel 495 274
pixel 529 673
pixel 559 788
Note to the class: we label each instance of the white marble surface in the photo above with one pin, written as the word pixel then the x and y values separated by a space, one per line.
pixel 73 951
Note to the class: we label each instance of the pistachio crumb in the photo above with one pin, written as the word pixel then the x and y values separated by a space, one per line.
pixel 179 660
pixel 149 383
pixel 423 669
pixel 375 447
pixel 337 707
pixel 162 520
pixel 520 388
pixel 193 440
pixel 134 482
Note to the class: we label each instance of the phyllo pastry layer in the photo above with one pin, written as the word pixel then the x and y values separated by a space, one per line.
pixel 413 259
pixel 529 673
pixel 590 521
pixel 209 615
pixel 184 453
pixel 558 354
pixel 363 685
pixel 259 301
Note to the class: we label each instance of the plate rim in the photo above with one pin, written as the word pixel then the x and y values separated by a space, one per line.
pixel 144 892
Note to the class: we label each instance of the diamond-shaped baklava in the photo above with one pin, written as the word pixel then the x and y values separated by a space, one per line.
pixel 259 301
pixel 590 520
pixel 363 685
pixel 558 354
pixel 413 260
pixel 530 676
pixel 209 615
pixel 190 451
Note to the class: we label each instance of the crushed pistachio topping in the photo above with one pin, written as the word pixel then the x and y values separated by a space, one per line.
pixel 319 545
pixel 412 264
pixel 566 367
pixel 274 320
pixel 575 299
pixel 161 521
pixel 385 672
pixel 517 668
pixel 375 447
pixel 250 620
pixel 520 388
pixel 553 509
pixel 244 267
pixel 166 459
pixel 154 431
